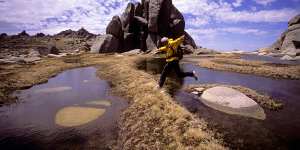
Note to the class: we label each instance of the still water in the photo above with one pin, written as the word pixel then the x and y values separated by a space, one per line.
pixel 281 129
pixel 71 111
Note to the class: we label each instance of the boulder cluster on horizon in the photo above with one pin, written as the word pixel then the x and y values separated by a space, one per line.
pixel 287 45
pixel 141 26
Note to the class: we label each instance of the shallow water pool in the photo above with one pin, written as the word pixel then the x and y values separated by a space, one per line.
pixel 73 110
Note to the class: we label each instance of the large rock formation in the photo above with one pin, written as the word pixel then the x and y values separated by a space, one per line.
pixel 289 41
pixel 142 25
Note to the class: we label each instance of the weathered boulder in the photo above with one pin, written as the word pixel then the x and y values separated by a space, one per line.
pixel 177 24
pixel 127 18
pixel 47 50
pixel 129 42
pixel 151 41
pixel 142 21
pixel 164 19
pixel 115 28
pixel 188 40
pixel 154 9
pixel 232 101
pixel 294 20
pixel 145 5
pixel 288 43
pixel 289 40
pixel 138 10
pixel 105 44
pixel 143 24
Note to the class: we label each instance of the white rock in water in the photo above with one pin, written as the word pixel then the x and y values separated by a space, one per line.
pixel 100 102
pixel 200 89
pixel 232 101
pixel 195 92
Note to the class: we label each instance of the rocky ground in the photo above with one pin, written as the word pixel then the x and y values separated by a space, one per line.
pixel 23 48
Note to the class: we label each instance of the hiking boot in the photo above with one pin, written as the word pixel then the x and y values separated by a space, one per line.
pixel 194 75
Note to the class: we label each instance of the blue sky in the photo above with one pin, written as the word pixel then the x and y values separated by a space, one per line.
pixel 218 24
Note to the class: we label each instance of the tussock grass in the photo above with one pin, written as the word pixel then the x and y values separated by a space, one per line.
pixel 253 67
pixel 154 120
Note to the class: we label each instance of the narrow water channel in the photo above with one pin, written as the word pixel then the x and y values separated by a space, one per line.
pixel 280 130
pixel 71 111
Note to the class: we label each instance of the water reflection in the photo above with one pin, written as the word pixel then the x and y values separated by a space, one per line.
pixel 281 129
pixel 67 100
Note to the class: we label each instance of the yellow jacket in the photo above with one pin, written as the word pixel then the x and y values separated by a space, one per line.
pixel 171 48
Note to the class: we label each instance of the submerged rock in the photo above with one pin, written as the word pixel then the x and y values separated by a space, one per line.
pixel 232 101
pixel 100 102
pixel 54 90
pixel 76 116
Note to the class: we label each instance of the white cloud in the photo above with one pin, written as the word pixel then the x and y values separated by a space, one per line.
pixel 242 30
pixel 264 2
pixel 223 12
pixel 237 3
pixel 34 15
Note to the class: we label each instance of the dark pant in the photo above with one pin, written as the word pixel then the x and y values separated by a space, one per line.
pixel 167 69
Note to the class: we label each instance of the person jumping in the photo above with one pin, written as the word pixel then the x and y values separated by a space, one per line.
pixel 173 55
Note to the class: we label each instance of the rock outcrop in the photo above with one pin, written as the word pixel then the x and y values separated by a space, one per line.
pixel 40 35
pixel 3 35
pixel 81 33
pixel 105 44
pixel 23 34
pixel 142 25
pixel 289 41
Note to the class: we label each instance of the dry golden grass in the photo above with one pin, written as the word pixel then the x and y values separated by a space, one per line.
pixel 152 121
pixel 262 99
pixel 253 67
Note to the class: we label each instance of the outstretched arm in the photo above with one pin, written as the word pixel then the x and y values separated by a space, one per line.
pixel 164 48
pixel 178 41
